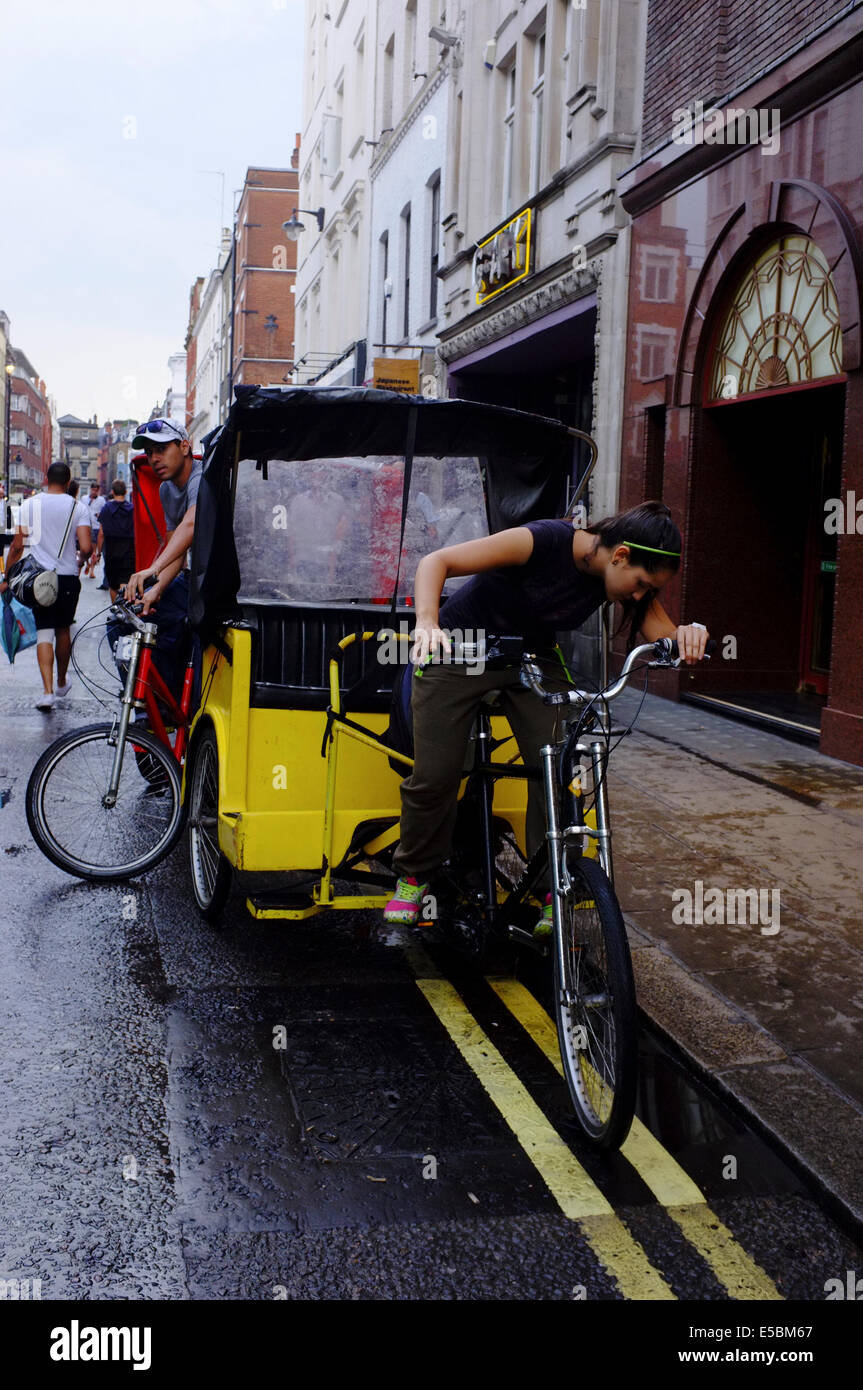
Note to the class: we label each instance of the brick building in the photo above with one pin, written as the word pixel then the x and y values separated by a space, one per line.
pixel 264 272
pixel 29 424
pixel 744 382
pixel 191 346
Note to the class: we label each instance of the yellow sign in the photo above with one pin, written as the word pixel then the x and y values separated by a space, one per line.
pixel 397 374
pixel 503 258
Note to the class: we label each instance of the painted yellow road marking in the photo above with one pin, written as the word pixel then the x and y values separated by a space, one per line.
pixel 574 1190
pixel 685 1203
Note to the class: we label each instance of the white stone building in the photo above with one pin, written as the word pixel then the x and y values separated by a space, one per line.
pixel 407 180
pixel 544 103
pixel 210 333
pixel 175 398
pixel 338 119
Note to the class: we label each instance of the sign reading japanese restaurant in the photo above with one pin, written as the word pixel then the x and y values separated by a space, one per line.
pixel 397 374
pixel 503 258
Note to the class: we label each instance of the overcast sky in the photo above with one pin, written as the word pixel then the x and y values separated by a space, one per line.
pixel 109 113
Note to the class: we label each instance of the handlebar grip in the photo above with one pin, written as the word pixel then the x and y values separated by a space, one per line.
pixel 668 649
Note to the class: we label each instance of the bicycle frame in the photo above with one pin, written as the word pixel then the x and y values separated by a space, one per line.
pixel 551 856
pixel 143 689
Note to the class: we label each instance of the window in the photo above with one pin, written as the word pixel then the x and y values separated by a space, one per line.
pixel 508 135
pixel 387 84
pixel 85 452
pixel 357 103
pixel 653 353
pixel 385 287
pixel 18 437
pixel 537 92
pixel 406 244
pixel 410 49
pixel 658 276
pixel 434 244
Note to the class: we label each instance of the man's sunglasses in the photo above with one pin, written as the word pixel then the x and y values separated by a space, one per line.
pixel 157 425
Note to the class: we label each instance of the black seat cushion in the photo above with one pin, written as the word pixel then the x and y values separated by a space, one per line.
pixel 291 650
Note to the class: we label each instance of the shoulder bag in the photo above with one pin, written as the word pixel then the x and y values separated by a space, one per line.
pixel 29 583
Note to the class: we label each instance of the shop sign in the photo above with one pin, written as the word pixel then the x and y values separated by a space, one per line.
pixel 397 374
pixel 503 258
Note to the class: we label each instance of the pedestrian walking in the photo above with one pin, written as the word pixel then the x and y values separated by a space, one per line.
pixel 95 503
pixel 42 522
pixel 115 538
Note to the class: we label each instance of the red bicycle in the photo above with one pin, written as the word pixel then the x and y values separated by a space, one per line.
pixel 93 810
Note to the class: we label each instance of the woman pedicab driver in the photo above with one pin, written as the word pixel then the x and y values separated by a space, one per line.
pixel 530 581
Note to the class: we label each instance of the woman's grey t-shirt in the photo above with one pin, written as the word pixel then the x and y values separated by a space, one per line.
pixel 176 501
pixel 546 595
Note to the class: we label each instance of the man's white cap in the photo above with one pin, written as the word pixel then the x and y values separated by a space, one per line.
pixel 159 432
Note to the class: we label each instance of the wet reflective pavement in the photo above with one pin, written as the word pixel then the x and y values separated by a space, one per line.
pixel 312 1110
pixel 163 1136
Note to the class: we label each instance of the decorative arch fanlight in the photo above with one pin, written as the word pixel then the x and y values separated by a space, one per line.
pixel 782 328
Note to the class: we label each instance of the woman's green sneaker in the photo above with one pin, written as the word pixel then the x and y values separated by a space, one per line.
pixel 405 905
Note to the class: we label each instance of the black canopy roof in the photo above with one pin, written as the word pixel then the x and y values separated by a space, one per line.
pixel 527 459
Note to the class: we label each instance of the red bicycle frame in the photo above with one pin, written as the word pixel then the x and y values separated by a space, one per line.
pixel 150 689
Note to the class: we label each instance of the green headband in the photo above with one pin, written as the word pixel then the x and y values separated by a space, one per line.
pixel 655 548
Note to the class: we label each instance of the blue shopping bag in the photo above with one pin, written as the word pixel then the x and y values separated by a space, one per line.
pixel 17 626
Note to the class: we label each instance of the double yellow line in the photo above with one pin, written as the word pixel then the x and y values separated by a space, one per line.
pixel 574 1190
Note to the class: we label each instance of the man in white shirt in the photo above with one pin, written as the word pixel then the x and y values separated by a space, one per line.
pixel 41 524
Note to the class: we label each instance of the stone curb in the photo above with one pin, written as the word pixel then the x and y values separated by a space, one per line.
pixel 815 1127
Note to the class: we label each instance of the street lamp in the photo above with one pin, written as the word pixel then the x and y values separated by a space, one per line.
pixel 294 227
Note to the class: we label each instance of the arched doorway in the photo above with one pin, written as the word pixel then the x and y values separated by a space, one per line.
pixel 768 460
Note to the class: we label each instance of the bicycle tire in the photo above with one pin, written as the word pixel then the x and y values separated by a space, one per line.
pixel 73 807
pixel 211 872
pixel 600 1060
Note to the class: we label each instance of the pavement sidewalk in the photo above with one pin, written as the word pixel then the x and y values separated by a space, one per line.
pixel 775 1018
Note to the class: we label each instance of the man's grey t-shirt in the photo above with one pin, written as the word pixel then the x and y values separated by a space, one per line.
pixel 176 501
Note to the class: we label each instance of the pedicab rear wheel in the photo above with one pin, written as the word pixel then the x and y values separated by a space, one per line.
pixel 212 874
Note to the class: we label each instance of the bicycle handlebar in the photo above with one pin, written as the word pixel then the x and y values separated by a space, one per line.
pixel 665 652
pixel 121 608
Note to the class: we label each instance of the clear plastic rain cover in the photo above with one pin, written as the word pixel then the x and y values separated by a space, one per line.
pixel 327 530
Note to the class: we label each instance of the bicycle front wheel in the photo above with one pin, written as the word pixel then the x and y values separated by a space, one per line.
pixel 67 811
pixel 595 1006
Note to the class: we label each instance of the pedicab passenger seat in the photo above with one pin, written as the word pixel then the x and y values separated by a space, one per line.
pixel 291 650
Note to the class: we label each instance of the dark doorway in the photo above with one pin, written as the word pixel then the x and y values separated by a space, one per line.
pixel 761 564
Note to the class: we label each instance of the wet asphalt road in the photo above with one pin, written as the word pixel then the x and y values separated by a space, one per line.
pixel 156 1144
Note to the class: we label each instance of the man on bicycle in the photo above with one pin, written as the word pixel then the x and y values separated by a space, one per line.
pixel 169 452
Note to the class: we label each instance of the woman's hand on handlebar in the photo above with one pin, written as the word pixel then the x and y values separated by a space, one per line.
pixel 691 640
pixel 428 640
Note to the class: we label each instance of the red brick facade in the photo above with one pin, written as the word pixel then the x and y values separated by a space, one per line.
pixel 191 346
pixel 747 477
pixel 707 49
pixel 265 278
pixel 29 432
